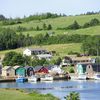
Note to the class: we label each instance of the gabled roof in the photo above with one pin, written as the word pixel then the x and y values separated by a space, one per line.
pixel 96 67
pixel 15 67
pixel 26 67
pixel 6 67
pixel 36 49
pixel 37 68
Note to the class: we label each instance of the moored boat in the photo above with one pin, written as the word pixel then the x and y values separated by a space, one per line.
pixel 97 76
pixel 47 78
pixel 32 78
pixel 20 79
pixel 82 77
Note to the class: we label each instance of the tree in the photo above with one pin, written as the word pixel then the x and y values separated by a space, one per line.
pixel 73 96
pixel 49 27
pixel 12 58
pixel 58 61
pixel 94 22
pixel 75 25
pixel 37 28
pixel 44 26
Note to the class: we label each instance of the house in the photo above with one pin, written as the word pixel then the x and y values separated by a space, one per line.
pixel 41 69
pixel 29 71
pixel 20 71
pixel 30 51
pixel 87 68
pixel 8 71
pixel 40 53
pixel 73 60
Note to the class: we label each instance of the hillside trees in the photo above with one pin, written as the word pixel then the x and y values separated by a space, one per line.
pixel 13 58
pixel 91 45
pixel 10 40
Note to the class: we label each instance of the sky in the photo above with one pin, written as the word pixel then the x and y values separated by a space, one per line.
pixel 19 8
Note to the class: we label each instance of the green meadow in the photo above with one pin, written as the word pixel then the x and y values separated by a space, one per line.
pixel 60 22
pixel 15 94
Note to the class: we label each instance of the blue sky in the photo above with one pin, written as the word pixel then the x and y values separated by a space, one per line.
pixel 19 8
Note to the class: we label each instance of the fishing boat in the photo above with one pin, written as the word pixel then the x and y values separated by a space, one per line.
pixel 47 78
pixel 21 79
pixel 32 78
pixel 82 77
pixel 97 76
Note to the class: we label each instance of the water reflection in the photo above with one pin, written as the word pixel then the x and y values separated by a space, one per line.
pixel 89 90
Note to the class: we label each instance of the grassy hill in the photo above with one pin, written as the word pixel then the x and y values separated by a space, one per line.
pixel 59 22
pixel 61 49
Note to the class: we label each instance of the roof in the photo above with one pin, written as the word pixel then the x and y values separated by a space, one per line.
pixel 36 49
pixel 96 67
pixel 37 68
pixel 81 58
pixel 6 67
pixel 44 55
pixel 15 67
pixel 26 67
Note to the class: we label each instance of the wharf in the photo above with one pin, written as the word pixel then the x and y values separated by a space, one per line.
pixel 7 80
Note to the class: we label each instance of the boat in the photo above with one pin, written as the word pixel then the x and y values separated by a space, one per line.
pixel 32 78
pixel 97 76
pixel 82 77
pixel 47 78
pixel 21 79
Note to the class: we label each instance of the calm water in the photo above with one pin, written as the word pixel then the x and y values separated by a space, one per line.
pixel 89 90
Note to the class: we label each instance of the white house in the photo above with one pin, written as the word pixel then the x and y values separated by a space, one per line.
pixel 40 53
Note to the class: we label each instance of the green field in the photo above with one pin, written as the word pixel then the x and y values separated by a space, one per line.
pixel 61 22
pixel 61 49
pixel 13 94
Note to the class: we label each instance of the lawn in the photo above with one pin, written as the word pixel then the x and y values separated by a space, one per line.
pixel 61 22
pixel 61 49
pixel 16 94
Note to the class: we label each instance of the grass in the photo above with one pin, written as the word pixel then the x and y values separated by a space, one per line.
pixel 61 22
pixel 14 94
pixel 61 49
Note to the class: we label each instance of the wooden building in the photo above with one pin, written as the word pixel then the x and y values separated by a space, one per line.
pixel 8 71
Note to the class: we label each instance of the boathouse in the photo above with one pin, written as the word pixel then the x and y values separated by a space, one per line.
pixel 8 71
pixel 20 71
pixel 29 71
pixel 41 69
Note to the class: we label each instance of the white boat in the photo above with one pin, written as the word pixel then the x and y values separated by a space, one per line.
pixel 32 78
pixel 97 76
pixel 82 77
pixel 47 78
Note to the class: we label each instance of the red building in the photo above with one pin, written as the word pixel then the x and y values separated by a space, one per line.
pixel 41 69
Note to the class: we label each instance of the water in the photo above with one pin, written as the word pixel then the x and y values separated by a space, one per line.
pixel 89 90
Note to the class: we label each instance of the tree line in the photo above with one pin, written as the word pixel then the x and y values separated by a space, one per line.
pixel 91 45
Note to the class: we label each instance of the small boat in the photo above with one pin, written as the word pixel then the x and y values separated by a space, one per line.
pixel 32 78
pixel 47 78
pixel 82 77
pixel 97 76
pixel 21 79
